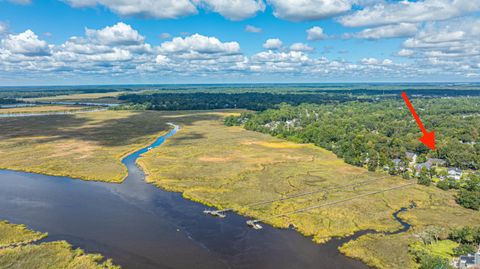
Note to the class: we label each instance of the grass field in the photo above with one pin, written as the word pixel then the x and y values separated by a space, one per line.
pixel 110 97
pixel 87 145
pixel 11 234
pixel 18 251
pixel 43 109
pixel 229 167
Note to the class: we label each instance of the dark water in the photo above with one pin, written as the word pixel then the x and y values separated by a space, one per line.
pixel 141 226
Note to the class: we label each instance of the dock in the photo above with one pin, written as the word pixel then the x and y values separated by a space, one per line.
pixel 254 224
pixel 216 213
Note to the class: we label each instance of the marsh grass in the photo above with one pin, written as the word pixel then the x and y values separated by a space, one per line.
pixel 58 254
pixel 13 234
pixel 17 250
pixel 43 109
pixel 88 146
pixel 229 167
pixel 109 97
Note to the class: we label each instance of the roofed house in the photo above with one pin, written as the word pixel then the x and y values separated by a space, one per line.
pixel 470 261
pixel 397 163
pixel 412 157
pixel 436 162
pixel 420 166
pixel 455 173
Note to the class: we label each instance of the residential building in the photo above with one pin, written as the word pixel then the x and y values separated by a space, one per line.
pixel 455 173
pixel 470 261
pixel 412 157
pixel 436 162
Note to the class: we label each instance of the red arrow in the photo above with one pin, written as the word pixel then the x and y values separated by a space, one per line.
pixel 428 137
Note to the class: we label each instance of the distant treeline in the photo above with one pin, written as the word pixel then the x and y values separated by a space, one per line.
pixel 397 92
pixel 252 101
pixel 8 101
pixel 11 93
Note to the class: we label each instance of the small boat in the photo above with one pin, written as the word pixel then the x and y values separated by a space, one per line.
pixel 150 148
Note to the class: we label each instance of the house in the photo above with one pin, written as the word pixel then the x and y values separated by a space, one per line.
pixel 396 162
pixel 291 123
pixel 419 167
pixel 455 173
pixel 272 125
pixel 436 162
pixel 469 261
pixel 412 157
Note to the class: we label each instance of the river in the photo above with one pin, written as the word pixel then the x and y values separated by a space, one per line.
pixel 141 226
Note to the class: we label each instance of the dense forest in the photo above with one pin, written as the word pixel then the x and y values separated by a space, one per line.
pixel 252 100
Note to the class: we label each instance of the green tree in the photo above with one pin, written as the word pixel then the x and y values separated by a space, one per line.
pixel 424 178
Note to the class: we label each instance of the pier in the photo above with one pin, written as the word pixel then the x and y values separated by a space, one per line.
pixel 216 213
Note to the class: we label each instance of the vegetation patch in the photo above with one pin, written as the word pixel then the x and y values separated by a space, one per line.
pixel 43 109
pixel 106 97
pixel 14 234
pixel 17 250
pixel 57 254
pixel 252 173
pixel 89 146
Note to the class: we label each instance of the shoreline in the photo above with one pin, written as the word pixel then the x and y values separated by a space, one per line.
pixel 338 241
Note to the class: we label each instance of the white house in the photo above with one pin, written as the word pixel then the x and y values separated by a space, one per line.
pixel 455 173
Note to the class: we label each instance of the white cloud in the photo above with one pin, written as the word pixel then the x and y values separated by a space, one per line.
pixel 301 47
pixel 447 49
pixel 376 62
pixel 387 62
pixel 78 45
pixel 409 11
pixel 159 9
pixel 370 61
pixel 309 10
pixel 279 62
pixel 115 55
pixel 172 9
pixel 200 44
pixel 405 53
pixel 26 43
pixel 388 31
pixel 450 46
pixel 315 33
pixel 118 34
pixel 273 44
pixel 235 9
pixel 253 29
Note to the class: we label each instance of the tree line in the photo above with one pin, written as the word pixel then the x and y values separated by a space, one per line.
pixel 258 101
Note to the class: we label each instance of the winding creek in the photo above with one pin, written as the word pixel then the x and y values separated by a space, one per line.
pixel 141 226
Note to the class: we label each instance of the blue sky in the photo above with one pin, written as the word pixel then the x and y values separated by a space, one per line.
pixel 203 41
